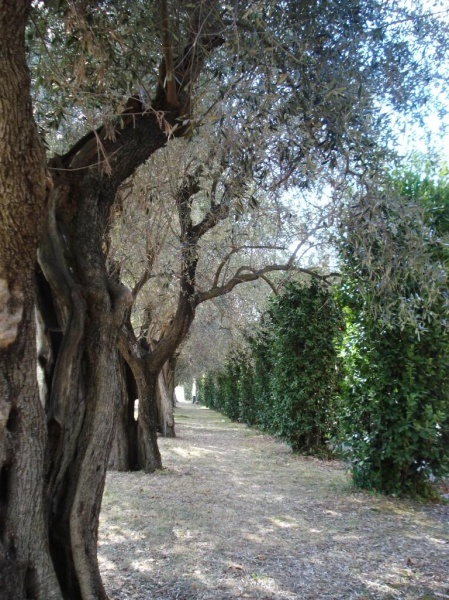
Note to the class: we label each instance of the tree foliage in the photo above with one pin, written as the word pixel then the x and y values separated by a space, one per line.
pixel 396 386
pixel 302 80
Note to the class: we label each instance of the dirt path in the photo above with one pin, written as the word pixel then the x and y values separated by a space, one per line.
pixel 236 515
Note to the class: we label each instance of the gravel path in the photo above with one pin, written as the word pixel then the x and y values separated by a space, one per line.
pixel 235 514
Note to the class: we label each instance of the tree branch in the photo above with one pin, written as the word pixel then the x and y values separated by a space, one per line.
pixel 167 72
pixel 233 251
pixel 270 284
pixel 252 275
pixel 217 213
pixel 141 130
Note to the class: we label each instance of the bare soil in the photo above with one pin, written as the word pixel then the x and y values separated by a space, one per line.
pixel 235 514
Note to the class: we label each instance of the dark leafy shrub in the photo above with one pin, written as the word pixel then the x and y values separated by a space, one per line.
pixel 395 421
pixel 305 322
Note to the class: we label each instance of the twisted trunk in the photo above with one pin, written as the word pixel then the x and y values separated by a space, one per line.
pixel 82 401
pixel 84 307
pixel 136 439
pixel 153 365
pixel 146 366
pixel 26 570
pixel 123 455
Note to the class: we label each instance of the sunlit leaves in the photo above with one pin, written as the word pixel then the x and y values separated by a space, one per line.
pixel 293 90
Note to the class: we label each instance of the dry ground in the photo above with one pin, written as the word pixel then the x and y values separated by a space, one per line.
pixel 236 515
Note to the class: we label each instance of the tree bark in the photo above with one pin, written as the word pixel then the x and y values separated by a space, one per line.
pixel 26 570
pixel 123 455
pixel 148 459
pixel 83 399
pixel 165 399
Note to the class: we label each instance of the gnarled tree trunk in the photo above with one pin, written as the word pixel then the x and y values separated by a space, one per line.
pixel 83 396
pixel 146 366
pixel 26 570
pixel 139 435
pixel 123 455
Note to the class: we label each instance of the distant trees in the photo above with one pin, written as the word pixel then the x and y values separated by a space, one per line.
pixel 202 263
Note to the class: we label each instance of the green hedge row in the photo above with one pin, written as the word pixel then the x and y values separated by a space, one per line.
pixel 286 379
